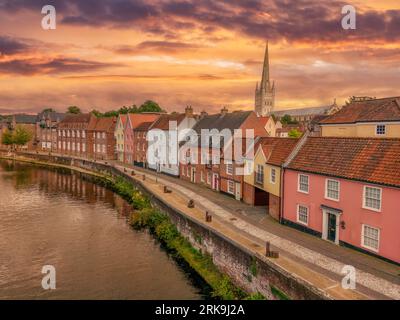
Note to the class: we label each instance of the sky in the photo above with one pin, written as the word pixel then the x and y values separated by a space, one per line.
pixel 105 54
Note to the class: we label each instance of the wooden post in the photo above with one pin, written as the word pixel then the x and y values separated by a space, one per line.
pixel 268 249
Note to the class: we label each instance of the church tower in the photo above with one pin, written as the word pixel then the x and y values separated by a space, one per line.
pixel 265 92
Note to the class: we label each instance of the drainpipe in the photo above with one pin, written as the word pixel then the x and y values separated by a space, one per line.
pixel 282 194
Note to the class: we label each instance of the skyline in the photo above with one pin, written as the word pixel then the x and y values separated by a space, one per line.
pixel 205 54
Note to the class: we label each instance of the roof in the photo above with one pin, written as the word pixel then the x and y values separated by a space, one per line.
pixel 52 115
pixel 303 111
pixel 73 118
pixel 25 118
pixel 231 121
pixel 136 119
pixel 276 150
pixel 123 118
pixel 162 122
pixel 385 109
pixel 106 124
pixel 373 160
pixel 144 126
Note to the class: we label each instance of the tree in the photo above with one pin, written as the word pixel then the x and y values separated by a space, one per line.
pixel 48 110
pixel 7 138
pixel 150 106
pixel 73 110
pixel 294 133
pixel 97 113
pixel 287 119
pixel 21 136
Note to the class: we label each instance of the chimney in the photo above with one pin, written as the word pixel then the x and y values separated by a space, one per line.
pixel 203 114
pixel 224 111
pixel 189 111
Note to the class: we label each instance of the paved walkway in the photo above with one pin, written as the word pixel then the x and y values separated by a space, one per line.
pixel 311 258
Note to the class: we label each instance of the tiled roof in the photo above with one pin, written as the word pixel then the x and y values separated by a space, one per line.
pixel 162 122
pixel 81 118
pixel 372 160
pixel 123 118
pixel 385 109
pixel 25 118
pixel 136 119
pixel 144 126
pixel 302 111
pixel 106 124
pixel 276 150
pixel 231 121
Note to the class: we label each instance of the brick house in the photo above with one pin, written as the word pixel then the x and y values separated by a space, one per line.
pixel 365 117
pixel 134 120
pixel 220 176
pixel 119 136
pixel 72 137
pixel 101 138
pixel 262 186
pixel 141 146
pixel 46 130
pixel 346 190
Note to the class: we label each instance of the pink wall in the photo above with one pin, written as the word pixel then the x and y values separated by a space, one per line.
pixel 350 202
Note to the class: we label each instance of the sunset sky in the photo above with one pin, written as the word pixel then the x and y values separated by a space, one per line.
pixel 108 53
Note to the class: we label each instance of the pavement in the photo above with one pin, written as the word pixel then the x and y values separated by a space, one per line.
pixel 310 258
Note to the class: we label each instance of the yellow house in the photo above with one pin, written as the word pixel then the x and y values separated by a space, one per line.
pixel 120 137
pixel 365 117
pixel 262 183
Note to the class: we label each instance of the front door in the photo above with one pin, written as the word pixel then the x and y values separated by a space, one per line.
pixel 332 227
pixel 238 191
pixel 215 182
pixel 193 175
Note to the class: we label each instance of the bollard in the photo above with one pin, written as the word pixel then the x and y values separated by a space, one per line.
pixel 132 173
pixel 144 177
pixel 208 217
pixel 190 204
pixel 268 249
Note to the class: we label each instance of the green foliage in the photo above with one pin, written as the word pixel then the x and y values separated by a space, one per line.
pixel 294 133
pixel 48 110
pixel 7 138
pixel 20 136
pixel 256 296
pixel 150 106
pixel 279 294
pixel 73 110
pixel 287 119
pixel 147 106
pixel 253 267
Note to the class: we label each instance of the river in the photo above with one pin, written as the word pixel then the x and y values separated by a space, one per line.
pixel 48 217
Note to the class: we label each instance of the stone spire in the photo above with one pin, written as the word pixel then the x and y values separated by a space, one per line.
pixel 265 92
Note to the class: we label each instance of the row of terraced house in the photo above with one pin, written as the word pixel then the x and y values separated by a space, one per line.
pixel 340 182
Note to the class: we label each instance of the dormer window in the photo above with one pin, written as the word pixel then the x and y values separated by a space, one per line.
pixel 380 129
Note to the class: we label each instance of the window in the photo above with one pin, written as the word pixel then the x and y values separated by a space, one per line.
pixel 78 146
pixel 63 133
pixel 229 168
pixel 68 145
pixel 302 214
pixel 202 176
pixel 59 133
pixel 67 133
pixel 63 145
pixel 370 237
pixel 273 175
pixel 73 146
pixel 104 135
pixel 83 134
pixel 98 135
pixel 231 187
pixel 332 189
pixel 104 148
pixel 83 147
pixel 144 147
pixel 303 183
pixel 137 147
pixel 59 144
pixel 372 198
pixel 260 174
pixel 380 129
pixel 73 133
pixel 77 133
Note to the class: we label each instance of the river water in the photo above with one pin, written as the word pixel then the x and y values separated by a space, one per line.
pixel 52 218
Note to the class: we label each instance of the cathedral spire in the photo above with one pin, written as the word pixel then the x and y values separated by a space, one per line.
pixel 265 74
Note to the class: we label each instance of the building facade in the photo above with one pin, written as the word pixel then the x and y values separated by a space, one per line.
pixel 365 117
pixel 46 130
pixel 72 136
pixel 346 190
pixel 119 136
pixel 101 138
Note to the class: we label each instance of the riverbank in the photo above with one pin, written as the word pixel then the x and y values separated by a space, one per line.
pixel 145 216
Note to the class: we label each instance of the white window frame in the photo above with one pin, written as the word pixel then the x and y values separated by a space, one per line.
pixel 308 183
pixel 229 169
pixel 363 238
pixel 298 214
pixel 230 184
pixel 364 206
pixel 273 181
pixel 326 189
pixel 380 126
pixel 257 175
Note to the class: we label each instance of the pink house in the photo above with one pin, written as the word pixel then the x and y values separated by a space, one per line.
pixel 347 191
pixel 133 121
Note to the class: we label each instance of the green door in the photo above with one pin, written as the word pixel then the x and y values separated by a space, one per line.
pixel 331 227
